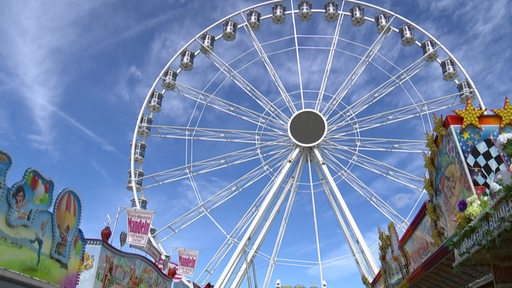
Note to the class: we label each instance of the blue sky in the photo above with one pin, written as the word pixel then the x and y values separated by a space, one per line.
pixel 73 77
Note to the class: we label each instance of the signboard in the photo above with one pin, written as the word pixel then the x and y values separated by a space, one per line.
pixel 139 224
pixel 187 261
pixel 150 248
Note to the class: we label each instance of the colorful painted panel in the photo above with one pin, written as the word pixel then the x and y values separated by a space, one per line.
pixel 420 243
pixel 115 268
pixel 452 181
pixel 27 229
pixel 393 258
pixel 467 161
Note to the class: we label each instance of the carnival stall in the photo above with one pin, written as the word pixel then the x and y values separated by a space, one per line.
pixel 461 236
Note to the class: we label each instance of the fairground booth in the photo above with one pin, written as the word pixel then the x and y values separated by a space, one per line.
pixel 461 236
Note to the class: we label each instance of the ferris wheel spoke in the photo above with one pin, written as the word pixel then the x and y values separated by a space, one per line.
pixel 217 162
pixel 227 107
pixel 214 134
pixel 367 193
pixel 395 115
pixel 383 169
pixel 379 144
pixel 270 68
pixel 384 88
pixel 297 57
pixel 232 238
pixel 218 198
pixel 328 65
pixel 257 96
pixel 354 75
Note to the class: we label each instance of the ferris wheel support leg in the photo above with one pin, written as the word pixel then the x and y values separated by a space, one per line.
pixel 292 181
pixel 265 205
pixel 370 262
pixel 350 239
pixel 282 227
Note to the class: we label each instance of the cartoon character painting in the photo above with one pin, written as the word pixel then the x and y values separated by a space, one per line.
pixel 38 240
pixel 20 201
pixel 452 182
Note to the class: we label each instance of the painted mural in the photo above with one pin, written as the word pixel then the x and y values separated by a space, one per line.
pixel 34 241
pixel 419 244
pixel 452 182
pixel 393 258
pixel 115 268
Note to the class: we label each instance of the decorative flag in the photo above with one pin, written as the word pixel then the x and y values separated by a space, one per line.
pixel 485 157
pixel 187 261
pixel 139 225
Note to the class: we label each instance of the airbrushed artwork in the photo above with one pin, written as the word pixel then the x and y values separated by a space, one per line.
pixel 43 244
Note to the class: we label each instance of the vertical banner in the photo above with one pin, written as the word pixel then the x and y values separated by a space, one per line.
pixel 187 261
pixel 139 224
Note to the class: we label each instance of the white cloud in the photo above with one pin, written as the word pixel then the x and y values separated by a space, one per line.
pixel 35 49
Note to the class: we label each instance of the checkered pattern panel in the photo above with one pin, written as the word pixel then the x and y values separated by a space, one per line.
pixel 486 158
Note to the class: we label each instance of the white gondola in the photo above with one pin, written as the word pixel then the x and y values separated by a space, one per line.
pixel 187 60
pixel 331 11
pixel 357 13
pixel 253 19
pixel 155 102
pixel 449 70
pixel 143 203
pixel 429 51
pixel 140 151
pixel 169 79
pixel 278 15
pixel 407 35
pixel 305 13
pixel 382 22
pixel 138 174
pixel 144 128
pixel 465 91
pixel 207 41
pixel 229 30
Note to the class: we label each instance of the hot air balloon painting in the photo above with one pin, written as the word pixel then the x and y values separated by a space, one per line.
pixel 67 211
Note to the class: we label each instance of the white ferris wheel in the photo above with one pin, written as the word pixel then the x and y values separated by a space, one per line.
pixel 282 134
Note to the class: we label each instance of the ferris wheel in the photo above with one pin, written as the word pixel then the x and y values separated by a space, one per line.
pixel 284 134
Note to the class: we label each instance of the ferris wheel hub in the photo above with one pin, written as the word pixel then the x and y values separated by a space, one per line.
pixel 307 128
